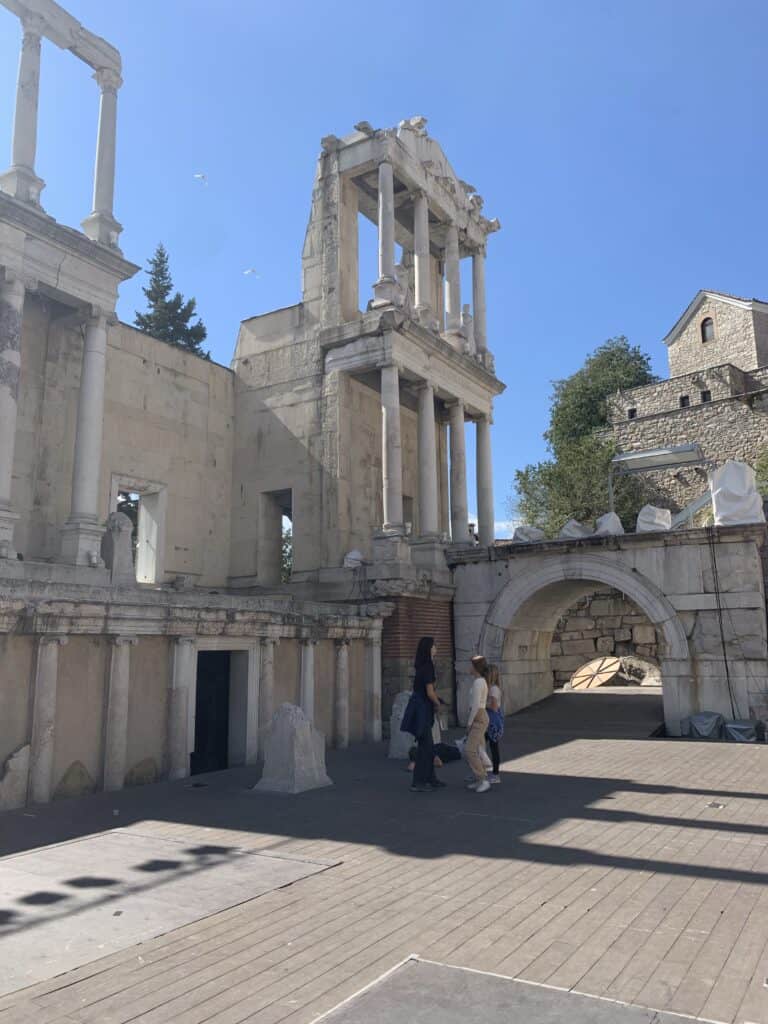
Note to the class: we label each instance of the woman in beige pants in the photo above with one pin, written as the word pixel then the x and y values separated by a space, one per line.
pixel 477 724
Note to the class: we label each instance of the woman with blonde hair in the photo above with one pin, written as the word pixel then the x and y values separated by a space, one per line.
pixel 477 724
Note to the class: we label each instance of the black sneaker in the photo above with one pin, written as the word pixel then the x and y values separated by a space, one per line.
pixel 420 789
pixel 437 784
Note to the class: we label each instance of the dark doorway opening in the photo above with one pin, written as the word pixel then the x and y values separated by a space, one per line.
pixel 211 713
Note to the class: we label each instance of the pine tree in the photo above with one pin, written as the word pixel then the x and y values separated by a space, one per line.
pixel 167 318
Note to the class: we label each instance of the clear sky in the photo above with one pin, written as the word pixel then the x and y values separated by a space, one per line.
pixel 622 145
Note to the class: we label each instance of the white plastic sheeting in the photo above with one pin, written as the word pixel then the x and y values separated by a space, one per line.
pixel 608 525
pixel 528 535
pixel 574 530
pixel 735 498
pixel 651 519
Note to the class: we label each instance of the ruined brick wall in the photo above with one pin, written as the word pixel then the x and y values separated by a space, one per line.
pixel 412 619
pixel 601 624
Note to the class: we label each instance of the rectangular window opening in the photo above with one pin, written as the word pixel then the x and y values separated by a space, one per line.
pixel 144 503
pixel 706 396
pixel 685 401
pixel 275 540
pixel 631 414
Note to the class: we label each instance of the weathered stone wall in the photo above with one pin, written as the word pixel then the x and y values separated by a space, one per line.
pixel 17 665
pixel 601 624
pixel 168 418
pixel 721 382
pixel 734 340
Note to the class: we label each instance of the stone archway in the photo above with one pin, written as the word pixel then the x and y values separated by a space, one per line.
pixel 517 630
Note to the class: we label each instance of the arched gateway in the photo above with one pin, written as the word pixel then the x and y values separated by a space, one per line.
pixel 508 603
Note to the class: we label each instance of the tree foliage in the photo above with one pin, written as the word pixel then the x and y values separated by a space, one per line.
pixel 168 315
pixel 574 482
pixel 286 567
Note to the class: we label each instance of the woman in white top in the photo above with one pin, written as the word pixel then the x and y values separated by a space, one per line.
pixel 495 720
pixel 477 724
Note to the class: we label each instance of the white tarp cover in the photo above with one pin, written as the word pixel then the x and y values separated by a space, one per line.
pixel 651 519
pixel 735 498
pixel 608 525
pixel 574 530
pixel 528 535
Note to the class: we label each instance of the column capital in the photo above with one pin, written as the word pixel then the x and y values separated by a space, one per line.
pixel 123 641
pixel 181 640
pixel 309 641
pixel 417 193
pixel 342 641
pixel 52 638
pixel 33 26
pixel 107 79
pixel 454 403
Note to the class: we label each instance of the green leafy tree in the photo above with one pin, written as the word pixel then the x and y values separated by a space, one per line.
pixel 287 561
pixel 168 315
pixel 574 482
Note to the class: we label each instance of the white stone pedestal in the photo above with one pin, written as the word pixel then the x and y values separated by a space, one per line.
pixel 294 754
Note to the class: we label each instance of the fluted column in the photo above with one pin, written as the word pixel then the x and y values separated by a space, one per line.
pixel 20 179
pixel 82 534
pixel 484 467
pixel 341 704
pixel 373 689
pixel 253 705
pixel 267 683
pixel 385 287
pixel 116 726
pixel 307 687
pixel 391 449
pixel 101 225
pixel 423 296
pixel 181 712
pixel 459 509
pixel 11 311
pixel 478 300
pixel 428 503
pixel 44 718
pixel 452 285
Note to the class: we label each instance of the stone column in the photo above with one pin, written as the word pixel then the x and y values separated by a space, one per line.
pixel 384 289
pixel 341 710
pixel 307 687
pixel 444 503
pixel 373 689
pixel 423 290
pixel 484 467
pixel 267 683
pixel 81 538
pixel 20 181
pixel 253 705
pixel 44 718
pixel 101 225
pixel 452 285
pixel 181 714
pixel 428 514
pixel 116 726
pixel 391 450
pixel 11 311
pixel 459 509
pixel 478 300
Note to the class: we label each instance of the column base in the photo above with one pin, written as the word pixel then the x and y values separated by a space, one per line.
pixel 389 546
pixel 455 339
pixel 386 292
pixel 428 552
pixel 8 520
pixel 22 183
pixel 425 316
pixel 81 543
pixel 103 228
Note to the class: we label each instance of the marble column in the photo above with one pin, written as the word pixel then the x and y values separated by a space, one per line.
pixel 341 707
pixel 444 502
pixel 82 533
pixel 484 467
pixel 459 509
pixel 478 300
pixel 373 689
pixel 307 685
pixel 452 286
pixel 11 311
pixel 20 180
pixel 181 711
pixel 423 290
pixel 101 225
pixel 116 725
pixel 428 503
pixel 44 718
pixel 267 683
pixel 391 450
pixel 253 705
pixel 385 287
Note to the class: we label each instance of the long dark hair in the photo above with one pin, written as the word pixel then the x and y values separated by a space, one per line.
pixel 425 667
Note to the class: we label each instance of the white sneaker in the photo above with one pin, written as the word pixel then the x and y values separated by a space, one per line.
pixel 494 779
pixel 482 787
pixel 474 784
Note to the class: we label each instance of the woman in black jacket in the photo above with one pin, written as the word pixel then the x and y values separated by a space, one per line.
pixel 419 717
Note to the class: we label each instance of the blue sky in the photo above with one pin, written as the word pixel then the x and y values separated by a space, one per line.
pixel 621 144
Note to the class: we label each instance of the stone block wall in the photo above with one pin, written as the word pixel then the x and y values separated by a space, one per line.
pixel 734 339
pixel 601 624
